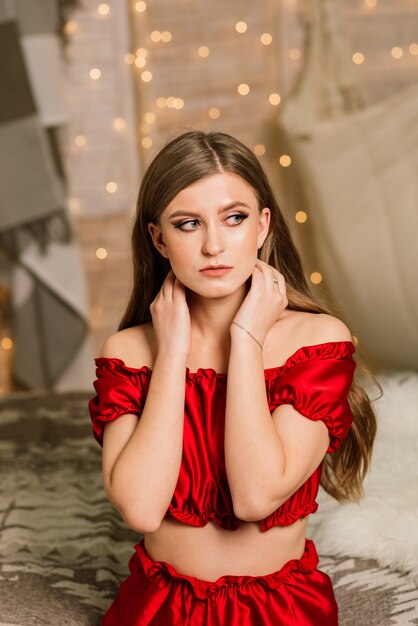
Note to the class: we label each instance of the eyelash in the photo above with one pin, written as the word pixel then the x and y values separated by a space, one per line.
pixel 179 226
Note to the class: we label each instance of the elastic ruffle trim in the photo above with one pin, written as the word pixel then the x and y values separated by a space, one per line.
pixel 308 562
pixel 227 521
pixel 98 422
pixel 114 363
pixel 230 522
pixel 285 518
pixel 332 349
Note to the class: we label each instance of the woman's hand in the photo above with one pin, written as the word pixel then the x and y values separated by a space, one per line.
pixel 263 303
pixel 171 316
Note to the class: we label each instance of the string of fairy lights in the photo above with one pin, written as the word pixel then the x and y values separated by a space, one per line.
pixel 139 60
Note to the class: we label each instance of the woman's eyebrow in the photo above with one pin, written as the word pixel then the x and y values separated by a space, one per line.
pixel 231 205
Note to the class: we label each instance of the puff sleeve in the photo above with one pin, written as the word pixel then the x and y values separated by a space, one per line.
pixel 316 381
pixel 119 390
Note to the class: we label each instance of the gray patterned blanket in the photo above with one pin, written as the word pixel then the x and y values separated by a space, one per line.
pixel 64 550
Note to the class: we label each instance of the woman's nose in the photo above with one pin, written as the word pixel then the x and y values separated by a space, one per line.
pixel 213 241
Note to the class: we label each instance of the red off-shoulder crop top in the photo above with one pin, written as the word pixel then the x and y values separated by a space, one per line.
pixel 315 379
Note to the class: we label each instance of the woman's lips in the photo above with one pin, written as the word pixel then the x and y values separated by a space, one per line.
pixel 216 272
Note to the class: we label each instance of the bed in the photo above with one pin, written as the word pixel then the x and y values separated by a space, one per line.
pixel 64 550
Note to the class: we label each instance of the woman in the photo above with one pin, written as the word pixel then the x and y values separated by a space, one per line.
pixel 215 372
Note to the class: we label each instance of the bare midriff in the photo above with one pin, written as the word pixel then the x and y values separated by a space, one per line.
pixel 209 552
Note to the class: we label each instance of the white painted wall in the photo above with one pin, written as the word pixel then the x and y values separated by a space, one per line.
pixel 100 41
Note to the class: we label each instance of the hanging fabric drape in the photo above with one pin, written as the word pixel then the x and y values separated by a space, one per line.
pixel 37 242
pixel 358 165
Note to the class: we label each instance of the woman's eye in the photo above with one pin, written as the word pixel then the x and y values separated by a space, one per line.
pixel 241 217
pixel 181 226
pixel 238 215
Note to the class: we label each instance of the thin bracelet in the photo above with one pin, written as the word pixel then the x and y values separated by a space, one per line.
pixel 247 331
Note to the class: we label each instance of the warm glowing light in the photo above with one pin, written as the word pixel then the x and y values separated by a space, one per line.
pixel 166 36
pixel 171 102
pixel 241 27
pixel 111 186
pixel 316 278
pixel 119 123
pixel 140 61
pixel 146 76
pixel 396 52
pixel 140 6
pixel 266 39
pixel 80 140
pixel 358 58
pixel 70 27
pixel 101 253
pixel 301 216
pixel 96 311
pixel 259 149
pixel 155 35
pixel 141 52
pixel 149 117
pixel 6 343
pixel 413 48
pixel 243 89
pixel 95 73
pixel 274 98
pixel 214 113
pixel 73 205
pixel 160 102
pixel 103 9
pixel 370 3
pixel 129 58
pixel 203 51
pixel 146 142
pixel 294 54
pixel 285 160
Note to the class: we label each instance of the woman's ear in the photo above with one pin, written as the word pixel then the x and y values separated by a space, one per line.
pixel 157 238
pixel 263 226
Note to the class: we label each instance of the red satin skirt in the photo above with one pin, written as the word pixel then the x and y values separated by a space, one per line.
pixel 156 594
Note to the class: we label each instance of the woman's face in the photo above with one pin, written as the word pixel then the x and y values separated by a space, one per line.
pixel 215 221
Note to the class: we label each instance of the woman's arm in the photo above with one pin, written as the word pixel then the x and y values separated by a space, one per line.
pixel 141 458
pixel 268 457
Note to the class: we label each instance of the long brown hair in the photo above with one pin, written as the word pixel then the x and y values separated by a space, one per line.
pixel 187 158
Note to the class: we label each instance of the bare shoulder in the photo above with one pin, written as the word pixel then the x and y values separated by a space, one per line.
pixel 297 329
pixel 326 327
pixel 134 345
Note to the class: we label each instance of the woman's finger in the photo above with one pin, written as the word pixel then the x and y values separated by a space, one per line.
pixel 277 280
pixel 257 274
pixel 271 275
pixel 262 267
pixel 178 288
pixel 280 278
pixel 167 286
pixel 281 285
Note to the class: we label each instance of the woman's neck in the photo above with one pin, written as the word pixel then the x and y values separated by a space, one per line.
pixel 211 318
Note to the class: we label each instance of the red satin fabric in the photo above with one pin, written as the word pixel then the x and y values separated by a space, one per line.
pixel 156 594
pixel 315 380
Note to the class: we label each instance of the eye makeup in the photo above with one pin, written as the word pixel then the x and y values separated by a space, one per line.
pixel 180 225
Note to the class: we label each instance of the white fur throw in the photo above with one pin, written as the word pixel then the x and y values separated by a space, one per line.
pixel 384 526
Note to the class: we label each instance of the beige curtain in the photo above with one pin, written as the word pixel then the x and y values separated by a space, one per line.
pixel 358 168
